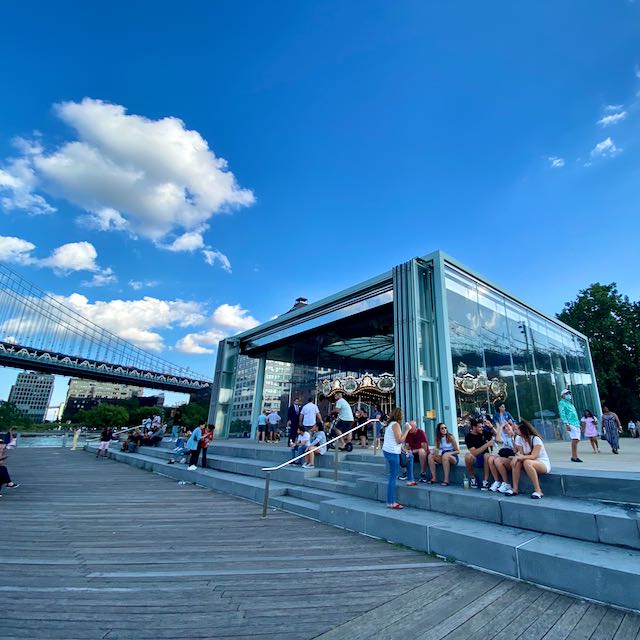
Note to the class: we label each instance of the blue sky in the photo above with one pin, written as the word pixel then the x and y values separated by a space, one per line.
pixel 356 135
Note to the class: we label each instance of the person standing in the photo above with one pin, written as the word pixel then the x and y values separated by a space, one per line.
pixel 293 420
pixel 5 478
pixel 501 415
pixel 569 417
pixel 193 445
pixel 207 439
pixel 631 427
pixel 310 414
pixel 611 428
pixel 262 426
pixel 273 420
pixel 590 427
pixel 391 447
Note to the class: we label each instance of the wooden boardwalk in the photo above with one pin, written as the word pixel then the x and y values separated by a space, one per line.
pixel 100 550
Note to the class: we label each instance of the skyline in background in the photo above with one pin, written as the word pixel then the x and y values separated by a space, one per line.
pixel 181 176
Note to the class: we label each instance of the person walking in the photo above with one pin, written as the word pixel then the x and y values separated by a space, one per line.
pixel 105 439
pixel 193 445
pixel 293 420
pixel 611 428
pixel 391 447
pixel 631 427
pixel 569 417
pixel 590 427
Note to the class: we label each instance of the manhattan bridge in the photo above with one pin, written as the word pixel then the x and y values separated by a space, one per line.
pixel 39 333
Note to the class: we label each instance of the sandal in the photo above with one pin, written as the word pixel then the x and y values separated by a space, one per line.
pixel 395 506
pixel 444 484
pixel 431 481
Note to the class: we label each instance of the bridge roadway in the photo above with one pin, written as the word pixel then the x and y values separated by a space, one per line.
pixel 100 550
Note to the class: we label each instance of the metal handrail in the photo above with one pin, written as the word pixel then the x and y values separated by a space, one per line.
pixel 267 478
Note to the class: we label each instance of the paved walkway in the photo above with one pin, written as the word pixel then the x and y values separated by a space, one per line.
pixel 100 550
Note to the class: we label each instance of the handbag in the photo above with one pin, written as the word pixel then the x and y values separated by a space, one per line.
pixel 506 452
pixel 602 436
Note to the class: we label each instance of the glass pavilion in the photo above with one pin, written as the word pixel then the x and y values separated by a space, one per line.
pixel 454 342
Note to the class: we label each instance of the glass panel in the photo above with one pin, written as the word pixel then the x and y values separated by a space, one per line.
pixel 522 357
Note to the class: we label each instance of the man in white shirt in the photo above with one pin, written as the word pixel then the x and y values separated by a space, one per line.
pixel 316 446
pixel 345 418
pixel 273 420
pixel 310 414
pixel 301 444
pixel 632 428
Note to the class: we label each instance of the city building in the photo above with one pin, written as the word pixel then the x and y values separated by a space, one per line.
pixel 32 394
pixel 453 342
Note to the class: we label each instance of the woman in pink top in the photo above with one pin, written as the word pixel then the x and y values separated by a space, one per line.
pixel 590 430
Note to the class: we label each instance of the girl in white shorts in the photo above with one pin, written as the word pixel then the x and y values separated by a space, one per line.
pixel 530 456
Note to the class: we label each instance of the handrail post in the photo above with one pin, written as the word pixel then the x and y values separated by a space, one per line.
pixel 265 502
pixel 336 462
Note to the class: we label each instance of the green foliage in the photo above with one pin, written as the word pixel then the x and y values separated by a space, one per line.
pixel 137 414
pixel 240 426
pixel 103 415
pixel 193 413
pixel 10 417
pixel 612 324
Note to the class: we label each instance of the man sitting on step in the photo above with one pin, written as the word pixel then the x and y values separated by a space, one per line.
pixel 416 448
pixel 478 442
pixel 301 444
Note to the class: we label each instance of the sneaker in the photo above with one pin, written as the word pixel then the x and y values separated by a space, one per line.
pixel 183 460
pixel 192 467
pixel 508 492
pixel 495 486
pixel 305 466
pixel 485 485
pixel 423 477
pixel 402 477
pixel 311 466
pixel 473 483
pixel 536 496
pixel 576 460
pixel 411 483
pixel 13 485
pixel 172 461
pixel 505 487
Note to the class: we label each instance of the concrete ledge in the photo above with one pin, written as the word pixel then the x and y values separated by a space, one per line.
pixel 481 544
pixel 594 571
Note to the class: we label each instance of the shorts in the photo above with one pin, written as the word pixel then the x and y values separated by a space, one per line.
pixel 377 428
pixel 451 455
pixel 575 433
pixel 478 462
pixel 261 427
pixel 104 446
pixel 343 425
pixel 273 428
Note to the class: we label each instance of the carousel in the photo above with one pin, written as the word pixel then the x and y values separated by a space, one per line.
pixel 362 391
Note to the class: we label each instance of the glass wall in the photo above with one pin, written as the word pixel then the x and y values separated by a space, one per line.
pixel 503 351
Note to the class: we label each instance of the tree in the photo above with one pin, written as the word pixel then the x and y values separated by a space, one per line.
pixel 612 324
pixel 10 417
pixel 194 413
pixel 103 415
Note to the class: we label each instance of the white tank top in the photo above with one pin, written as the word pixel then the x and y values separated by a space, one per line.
pixel 390 445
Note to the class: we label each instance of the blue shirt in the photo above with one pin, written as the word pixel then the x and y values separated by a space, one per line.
pixel 262 419
pixel 195 438
pixel 497 417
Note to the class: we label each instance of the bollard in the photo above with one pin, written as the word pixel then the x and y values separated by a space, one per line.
pixel 64 440
pixel 265 502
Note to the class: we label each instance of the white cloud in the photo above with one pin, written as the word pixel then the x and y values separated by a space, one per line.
pixel 612 118
pixel 17 184
pixel 190 241
pixel 612 107
pixel 212 256
pixel 67 258
pixel 136 285
pixel 226 320
pixel 605 149
pixel 137 320
pixel 154 178
pixel 101 279
pixel 555 162
pixel 73 256
pixel 16 250
pixel 637 71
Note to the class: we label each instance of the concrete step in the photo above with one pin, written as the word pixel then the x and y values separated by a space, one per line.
pixel 580 519
pixel 593 570
pixel 295 505
pixel 310 494
pixel 596 571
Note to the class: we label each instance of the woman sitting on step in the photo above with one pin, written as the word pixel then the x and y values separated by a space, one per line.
pixel 530 456
pixel 445 452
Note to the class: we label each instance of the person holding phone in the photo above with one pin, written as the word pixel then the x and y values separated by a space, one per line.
pixel 391 447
